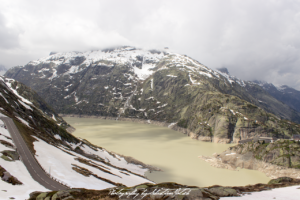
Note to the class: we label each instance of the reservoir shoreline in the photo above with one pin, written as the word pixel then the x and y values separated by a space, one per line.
pixel 172 126
pixel 271 171
pixel 233 161
pixel 174 154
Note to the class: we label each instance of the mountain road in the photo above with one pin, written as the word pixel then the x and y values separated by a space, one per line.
pixel 33 167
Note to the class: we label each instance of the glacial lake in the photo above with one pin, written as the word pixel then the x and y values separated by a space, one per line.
pixel 173 152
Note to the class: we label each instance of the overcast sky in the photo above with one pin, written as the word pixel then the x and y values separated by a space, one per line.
pixel 254 39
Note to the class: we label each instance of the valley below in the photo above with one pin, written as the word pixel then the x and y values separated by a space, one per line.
pixel 171 151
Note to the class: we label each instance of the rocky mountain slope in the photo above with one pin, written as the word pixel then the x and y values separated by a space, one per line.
pixel 157 85
pixel 25 106
pixel 277 159
pixel 284 93
pixel 67 159
pixel 282 152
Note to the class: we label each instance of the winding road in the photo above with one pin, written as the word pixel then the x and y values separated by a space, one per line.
pixel 33 167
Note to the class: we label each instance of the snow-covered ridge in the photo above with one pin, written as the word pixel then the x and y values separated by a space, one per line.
pixel 232 79
pixel 8 82
pixel 267 86
pixel 118 56
pixel 22 101
pixel 196 69
pixel 142 62
pixel 281 88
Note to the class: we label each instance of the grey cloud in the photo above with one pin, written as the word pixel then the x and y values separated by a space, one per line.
pixel 254 39
pixel 8 37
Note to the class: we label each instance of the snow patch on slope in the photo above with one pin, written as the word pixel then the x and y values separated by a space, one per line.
pixel 25 105
pixel 145 72
pixel 18 170
pixel 23 121
pixel 116 161
pixel 61 169
pixel 8 82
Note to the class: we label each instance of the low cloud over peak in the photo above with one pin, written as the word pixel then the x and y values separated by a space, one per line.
pixel 254 39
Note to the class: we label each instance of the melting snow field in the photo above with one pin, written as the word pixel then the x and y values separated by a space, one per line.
pixel 145 72
pixel 60 166
pixel 147 61
pixel 18 170
pixel 287 193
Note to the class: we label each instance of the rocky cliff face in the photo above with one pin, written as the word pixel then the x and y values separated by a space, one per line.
pixel 157 85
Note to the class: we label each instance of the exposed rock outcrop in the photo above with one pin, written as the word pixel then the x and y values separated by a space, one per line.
pixel 277 159
pixel 7 177
pixel 163 191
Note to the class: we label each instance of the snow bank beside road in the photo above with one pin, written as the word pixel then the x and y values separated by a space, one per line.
pixel 18 170
pixel 59 163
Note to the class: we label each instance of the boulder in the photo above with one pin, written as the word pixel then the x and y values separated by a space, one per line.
pixel 223 191
pixel 6 176
pixel 280 180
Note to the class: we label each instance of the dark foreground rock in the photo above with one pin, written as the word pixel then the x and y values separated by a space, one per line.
pixel 7 177
pixel 162 191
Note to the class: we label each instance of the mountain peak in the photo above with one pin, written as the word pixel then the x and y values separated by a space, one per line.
pixel 224 70
pixel 52 53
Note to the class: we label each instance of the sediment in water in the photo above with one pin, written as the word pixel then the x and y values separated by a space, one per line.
pixel 172 126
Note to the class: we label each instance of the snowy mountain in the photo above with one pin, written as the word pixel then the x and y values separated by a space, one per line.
pixel 284 93
pixel 157 85
pixel 67 159
pixel 161 86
